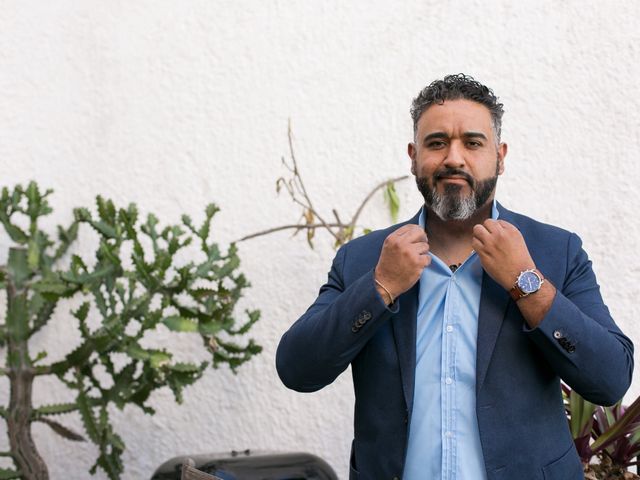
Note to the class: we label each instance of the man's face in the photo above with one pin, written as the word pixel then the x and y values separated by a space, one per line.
pixel 456 159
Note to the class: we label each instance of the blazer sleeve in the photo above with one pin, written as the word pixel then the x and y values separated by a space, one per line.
pixel 579 338
pixel 322 342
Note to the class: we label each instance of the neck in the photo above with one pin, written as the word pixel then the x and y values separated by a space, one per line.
pixel 452 238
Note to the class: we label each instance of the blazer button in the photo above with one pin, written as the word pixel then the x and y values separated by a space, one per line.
pixel 571 348
pixel 355 328
pixel 557 334
pixel 395 478
pixel 366 315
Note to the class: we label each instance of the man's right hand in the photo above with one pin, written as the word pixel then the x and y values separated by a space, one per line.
pixel 405 253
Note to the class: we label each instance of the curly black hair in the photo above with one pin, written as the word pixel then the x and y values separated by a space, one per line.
pixel 455 87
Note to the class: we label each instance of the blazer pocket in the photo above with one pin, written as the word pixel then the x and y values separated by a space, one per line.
pixel 567 467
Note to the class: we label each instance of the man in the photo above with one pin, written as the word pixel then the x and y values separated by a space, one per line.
pixel 460 323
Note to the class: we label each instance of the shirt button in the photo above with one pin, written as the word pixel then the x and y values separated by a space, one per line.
pixel 449 434
pixel 448 381
pixel 449 328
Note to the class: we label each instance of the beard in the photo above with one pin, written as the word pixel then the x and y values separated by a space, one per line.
pixel 452 204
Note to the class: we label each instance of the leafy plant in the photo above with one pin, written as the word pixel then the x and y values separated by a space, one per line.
pixel 133 286
pixel 609 434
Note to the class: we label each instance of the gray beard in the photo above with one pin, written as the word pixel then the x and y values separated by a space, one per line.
pixel 451 205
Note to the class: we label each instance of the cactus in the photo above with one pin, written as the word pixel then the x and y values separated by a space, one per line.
pixel 129 297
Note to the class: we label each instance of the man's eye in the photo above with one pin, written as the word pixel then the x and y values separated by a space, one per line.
pixel 474 144
pixel 436 144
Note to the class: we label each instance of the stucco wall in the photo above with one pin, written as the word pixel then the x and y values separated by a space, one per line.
pixel 175 104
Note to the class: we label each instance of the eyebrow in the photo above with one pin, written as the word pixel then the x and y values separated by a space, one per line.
pixel 443 135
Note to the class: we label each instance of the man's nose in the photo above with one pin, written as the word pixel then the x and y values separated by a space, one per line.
pixel 455 155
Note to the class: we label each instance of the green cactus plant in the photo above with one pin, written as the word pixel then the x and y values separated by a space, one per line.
pixel 135 284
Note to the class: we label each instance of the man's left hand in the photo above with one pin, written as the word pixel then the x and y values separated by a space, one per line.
pixel 502 251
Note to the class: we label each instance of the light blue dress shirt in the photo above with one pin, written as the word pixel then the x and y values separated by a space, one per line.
pixel 444 442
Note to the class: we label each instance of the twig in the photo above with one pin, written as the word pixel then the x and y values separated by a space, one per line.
pixel 297 176
pixel 289 227
pixel 370 195
pixel 340 231
pixel 337 217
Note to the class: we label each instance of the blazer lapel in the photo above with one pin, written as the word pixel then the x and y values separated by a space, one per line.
pixel 493 308
pixel 404 334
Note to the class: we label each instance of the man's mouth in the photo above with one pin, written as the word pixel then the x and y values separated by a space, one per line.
pixel 456 177
pixel 455 180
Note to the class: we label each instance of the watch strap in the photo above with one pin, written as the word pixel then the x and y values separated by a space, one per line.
pixel 516 293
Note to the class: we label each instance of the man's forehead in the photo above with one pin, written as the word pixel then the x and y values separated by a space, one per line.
pixel 454 114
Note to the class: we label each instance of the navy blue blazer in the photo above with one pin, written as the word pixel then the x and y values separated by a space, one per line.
pixel 523 428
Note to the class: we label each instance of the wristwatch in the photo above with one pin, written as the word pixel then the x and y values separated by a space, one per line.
pixel 528 282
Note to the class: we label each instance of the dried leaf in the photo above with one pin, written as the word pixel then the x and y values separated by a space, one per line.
pixel 310 234
pixel 309 216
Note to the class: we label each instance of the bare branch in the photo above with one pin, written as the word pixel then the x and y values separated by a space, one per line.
pixel 302 188
pixel 370 195
pixel 297 226
pixel 337 217
pixel 287 166
pixel 340 231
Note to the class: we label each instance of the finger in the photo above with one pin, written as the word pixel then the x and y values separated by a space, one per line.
pixel 409 234
pixel 414 235
pixel 477 245
pixel 421 248
pixel 480 232
pixel 425 260
pixel 403 230
pixel 507 226
pixel 402 235
pixel 492 225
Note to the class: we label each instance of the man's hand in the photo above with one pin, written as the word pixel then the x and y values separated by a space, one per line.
pixel 504 254
pixel 502 251
pixel 405 253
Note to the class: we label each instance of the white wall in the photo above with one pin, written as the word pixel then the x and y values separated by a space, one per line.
pixel 175 104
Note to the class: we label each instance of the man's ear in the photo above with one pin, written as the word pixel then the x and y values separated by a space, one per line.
pixel 502 152
pixel 411 151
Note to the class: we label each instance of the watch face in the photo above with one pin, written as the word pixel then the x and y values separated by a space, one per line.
pixel 529 282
